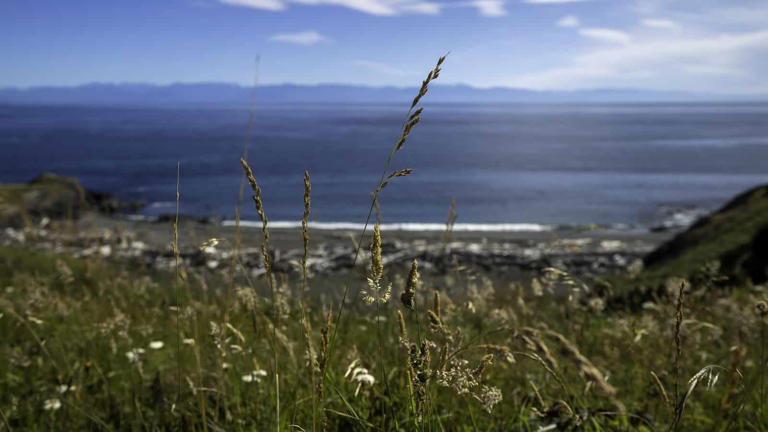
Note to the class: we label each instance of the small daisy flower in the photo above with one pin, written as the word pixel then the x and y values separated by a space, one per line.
pixel 134 355
pixel 65 388
pixel 156 345
pixel 254 376
pixel 359 375
pixel 51 404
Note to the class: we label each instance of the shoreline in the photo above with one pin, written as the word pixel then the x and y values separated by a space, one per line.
pixel 587 251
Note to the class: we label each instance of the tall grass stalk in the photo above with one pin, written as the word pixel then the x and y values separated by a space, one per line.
pixel 5 420
pixel 762 312
pixel 449 222
pixel 412 118
pixel 176 256
pixel 265 251
pixel 678 351
pixel 237 242
pixel 304 288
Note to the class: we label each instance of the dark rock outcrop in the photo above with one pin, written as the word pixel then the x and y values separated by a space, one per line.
pixel 55 197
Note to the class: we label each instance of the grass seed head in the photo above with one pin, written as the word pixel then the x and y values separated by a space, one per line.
pixel 409 295
pixel 377 268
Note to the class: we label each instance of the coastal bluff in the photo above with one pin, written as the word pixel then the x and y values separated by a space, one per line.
pixel 735 236
pixel 53 196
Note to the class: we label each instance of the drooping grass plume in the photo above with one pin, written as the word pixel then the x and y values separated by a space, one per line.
pixel 707 373
pixel 532 340
pixel 586 368
pixel 662 391
pixel 502 352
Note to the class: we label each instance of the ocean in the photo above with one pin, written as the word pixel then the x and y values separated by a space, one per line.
pixel 509 166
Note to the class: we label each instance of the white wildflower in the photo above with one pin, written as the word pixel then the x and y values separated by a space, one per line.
pixel 359 375
pixel 65 388
pixel 365 378
pixel 209 245
pixel 105 250
pixel 188 341
pixel 51 404
pixel 359 371
pixel 488 397
pixel 351 367
pixel 134 355
pixel 156 345
pixel 254 376
pixel 249 378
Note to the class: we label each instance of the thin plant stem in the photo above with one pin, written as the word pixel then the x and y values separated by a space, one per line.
pixel 236 244
pixel 5 420
pixel 678 350
pixel 762 369
pixel 175 246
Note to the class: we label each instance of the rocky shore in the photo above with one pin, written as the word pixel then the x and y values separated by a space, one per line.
pixel 57 214
pixel 208 247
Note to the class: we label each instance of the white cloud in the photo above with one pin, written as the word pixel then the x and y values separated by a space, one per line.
pixel 724 62
pixel 568 21
pixel 380 67
pixel 309 37
pixel 606 35
pixel 659 23
pixel 490 8
pixel 273 5
pixel 712 14
pixel 379 7
pixel 553 1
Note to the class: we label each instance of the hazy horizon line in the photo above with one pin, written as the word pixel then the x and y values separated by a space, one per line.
pixel 366 86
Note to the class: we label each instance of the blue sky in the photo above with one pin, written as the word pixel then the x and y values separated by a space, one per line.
pixel 696 45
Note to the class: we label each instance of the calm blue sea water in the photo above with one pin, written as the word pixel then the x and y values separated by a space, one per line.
pixel 572 164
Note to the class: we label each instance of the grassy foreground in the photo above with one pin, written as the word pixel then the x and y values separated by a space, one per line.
pixel 89 345
pixel 95 345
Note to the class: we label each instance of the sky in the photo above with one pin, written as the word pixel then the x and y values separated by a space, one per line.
pixel 716 46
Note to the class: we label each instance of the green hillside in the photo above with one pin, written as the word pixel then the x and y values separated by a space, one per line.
pixel 736 236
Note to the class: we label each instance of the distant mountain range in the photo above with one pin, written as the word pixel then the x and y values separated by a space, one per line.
pixel 236 95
